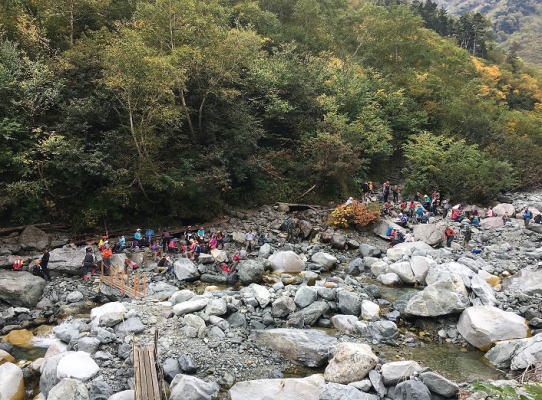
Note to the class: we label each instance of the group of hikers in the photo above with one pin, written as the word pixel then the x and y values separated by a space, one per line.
pixel 420 207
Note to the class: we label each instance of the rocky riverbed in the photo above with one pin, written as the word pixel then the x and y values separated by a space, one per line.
pixel 338 315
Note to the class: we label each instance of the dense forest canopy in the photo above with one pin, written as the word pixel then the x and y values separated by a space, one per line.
pixel 127 109
pixel 517 23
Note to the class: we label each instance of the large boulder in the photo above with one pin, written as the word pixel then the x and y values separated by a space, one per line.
pixel 335 391
pixel 351 362
pixel 67 259
pixel 305 296
pixel 283 306
pixel 124 395
pixel 349 302
pixel 250 271
pixel 310 314
pixel 412 390
pixel 527 281
pixel 185 270
pixel 503 208
pixel 77 365
pixel 324 259
pixel 308 388
pixel 186 387
pixel 491 222
pixel 447 295
pixel 307 347
pixel 397 371
pixel 483 291
pixel 516 354
pixel 265 250
pixel 108 315
pixel 401 250
pixel 482 326
pixel 33 238
pixel 380 227
pixel 432 234
pixel 11 382
pixel 69 389
pixel 20 288
pixel 190 306
pixel 440 385
pixel 286 261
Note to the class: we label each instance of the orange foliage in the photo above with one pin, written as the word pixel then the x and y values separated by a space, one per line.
pixel 356 213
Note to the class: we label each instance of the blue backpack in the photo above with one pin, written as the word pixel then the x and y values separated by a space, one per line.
pixel 389 231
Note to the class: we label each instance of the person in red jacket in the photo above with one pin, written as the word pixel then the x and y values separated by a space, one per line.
pixel 450 235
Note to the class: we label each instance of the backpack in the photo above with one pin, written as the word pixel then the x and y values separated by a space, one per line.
pixel 36 270
pixel 389 231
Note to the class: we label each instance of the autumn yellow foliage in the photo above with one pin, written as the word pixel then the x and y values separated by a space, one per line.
pixel 354 214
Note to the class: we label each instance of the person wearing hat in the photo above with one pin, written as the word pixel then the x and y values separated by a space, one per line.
pixel 137 238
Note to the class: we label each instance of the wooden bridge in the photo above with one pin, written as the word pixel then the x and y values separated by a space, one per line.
pixel 135 286
pixel 149 376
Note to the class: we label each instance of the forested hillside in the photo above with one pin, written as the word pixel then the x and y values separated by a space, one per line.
pixel 123 109
pixel 517 23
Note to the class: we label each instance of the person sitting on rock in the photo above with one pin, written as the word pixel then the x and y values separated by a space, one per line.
pixel 419 213
pixel 130 265
pixel 165 265
pixel 121 244
pixel 538 219
pixel 490 213
pixel 212 241
pixel 403 220
pixel 172 246
pixel 450 235
pixel 201 233
pixel 505 219
pixel 219 240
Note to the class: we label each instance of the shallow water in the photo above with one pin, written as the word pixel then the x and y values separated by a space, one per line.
pixel 454 362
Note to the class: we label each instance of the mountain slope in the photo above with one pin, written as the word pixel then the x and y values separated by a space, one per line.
pixel 517 21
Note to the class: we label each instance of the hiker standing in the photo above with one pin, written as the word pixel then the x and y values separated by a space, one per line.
pixel 446 208
pixel 137 238
pixel 467 236
pixel 396 191
pixel 106 258
pixel 149 233
pixel 89 264
pixel 527 215
pixel 450 236
pixel 249 238
pixel 44 262
pixel 386 191
pixel 165 240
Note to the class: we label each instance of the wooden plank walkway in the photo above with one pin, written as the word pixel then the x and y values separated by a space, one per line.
pixel 149 376
pixel 146 377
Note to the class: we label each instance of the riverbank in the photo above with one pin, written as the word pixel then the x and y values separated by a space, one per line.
pixel 415 306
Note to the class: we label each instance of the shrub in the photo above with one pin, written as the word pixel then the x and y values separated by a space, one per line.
pixel 354 214
pixel 527 392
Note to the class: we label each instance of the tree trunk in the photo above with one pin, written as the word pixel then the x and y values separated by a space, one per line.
pixel 188 119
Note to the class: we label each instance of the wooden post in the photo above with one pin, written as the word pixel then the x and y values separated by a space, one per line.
pixel 111 275
pixel 102 274
pixel 144 285
pixel 136 285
